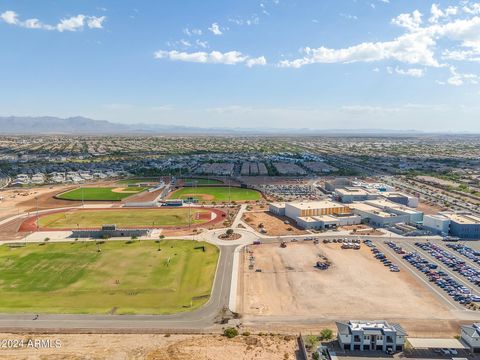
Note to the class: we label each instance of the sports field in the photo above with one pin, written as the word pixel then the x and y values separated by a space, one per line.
pixel 138 181
pixel 217 194
pixel 100 193
pixel 124 218
pixel 122 278
pixel 202 181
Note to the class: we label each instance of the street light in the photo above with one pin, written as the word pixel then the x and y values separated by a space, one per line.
pixel 36 203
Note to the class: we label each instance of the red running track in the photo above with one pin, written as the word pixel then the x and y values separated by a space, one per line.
pixel 30 224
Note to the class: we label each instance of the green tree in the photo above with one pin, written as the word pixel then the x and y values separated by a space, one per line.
pixel 230 332
pixel 326 334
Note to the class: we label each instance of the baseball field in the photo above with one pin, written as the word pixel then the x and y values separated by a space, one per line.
pixel 100 193
pixel 72 219
pixel 203 181
pixel 138 181
pixel 122 278
pixel 216 194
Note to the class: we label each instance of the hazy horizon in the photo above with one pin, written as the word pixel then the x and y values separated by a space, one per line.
pixel 376 64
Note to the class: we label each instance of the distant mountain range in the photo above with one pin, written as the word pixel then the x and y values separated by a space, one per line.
pixel 78 125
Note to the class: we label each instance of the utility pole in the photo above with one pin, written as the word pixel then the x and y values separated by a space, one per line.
pixel 36 203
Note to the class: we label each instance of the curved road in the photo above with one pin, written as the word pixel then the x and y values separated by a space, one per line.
pixel 204 318
pixel 197 319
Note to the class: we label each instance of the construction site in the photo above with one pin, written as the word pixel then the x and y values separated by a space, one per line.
pixel 330 280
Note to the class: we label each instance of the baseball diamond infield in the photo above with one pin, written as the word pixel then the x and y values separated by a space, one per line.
pixel 219 194
pixel 123 218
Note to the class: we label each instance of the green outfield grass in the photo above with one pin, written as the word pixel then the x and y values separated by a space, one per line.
pixel 137 181
pixel 120 217
pixel 123 278
pixel 99 194
pixel 217 194
pixel 201 181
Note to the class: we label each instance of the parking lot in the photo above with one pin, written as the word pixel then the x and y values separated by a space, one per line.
pixel 436 265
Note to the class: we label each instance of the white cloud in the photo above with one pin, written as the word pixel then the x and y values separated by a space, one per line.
pixel 73 23
pixel 458 79
pixel 409 21
pixel 215 29
pixel 248 21
pixel 438 13
pixel 418 45
pixel 413 72
pixel 94 22
pixel 10 17
pixel 411 48
pixel 259 61
pixel 472 9
pixel 202 44
pixel 192 32
pixel 461 55
pixel 214 57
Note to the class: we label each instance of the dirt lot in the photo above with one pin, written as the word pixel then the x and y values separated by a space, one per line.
pixel 428 209
pixel 19 200
pixel 156 347
pixel 274 225
pixel 356 285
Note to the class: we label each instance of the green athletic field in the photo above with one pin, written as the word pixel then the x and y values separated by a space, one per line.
pixel 99 194
pixel 122 278
pixel 121 217
pixel 217 194
pixel 137 181
pixel 201 181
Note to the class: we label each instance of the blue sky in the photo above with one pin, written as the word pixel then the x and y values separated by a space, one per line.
pixel 393 64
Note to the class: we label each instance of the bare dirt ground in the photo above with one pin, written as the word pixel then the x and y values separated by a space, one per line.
pixel 361 230
pixel 274 225
pixel 356 285
pixel 156 347
pixel 19 200
pixel 428 209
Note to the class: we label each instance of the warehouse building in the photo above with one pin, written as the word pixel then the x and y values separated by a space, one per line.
pixel 351 194
pixel 437 224
pixel 370 335
pixel 460 224
pixel 316 214
pixel 464 225
pixel 328 221
pixel 277 208
pixel 314 208
pixel 381 213
pixel 401 198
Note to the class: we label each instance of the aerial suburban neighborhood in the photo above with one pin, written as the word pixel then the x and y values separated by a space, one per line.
pixel 322 241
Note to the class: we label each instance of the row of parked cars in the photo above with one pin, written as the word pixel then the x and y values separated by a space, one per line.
pixel 451 261
pixel 340 241
pixel 381 256
pixel 466 251
pixel 395 248
pixel 453 288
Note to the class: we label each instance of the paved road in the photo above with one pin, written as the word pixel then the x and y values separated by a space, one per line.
pixel 203 318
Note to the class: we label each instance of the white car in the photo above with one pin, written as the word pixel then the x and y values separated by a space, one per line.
pixel 453 351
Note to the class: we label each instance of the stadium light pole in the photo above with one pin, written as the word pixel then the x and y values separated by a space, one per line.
pixel 36 203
